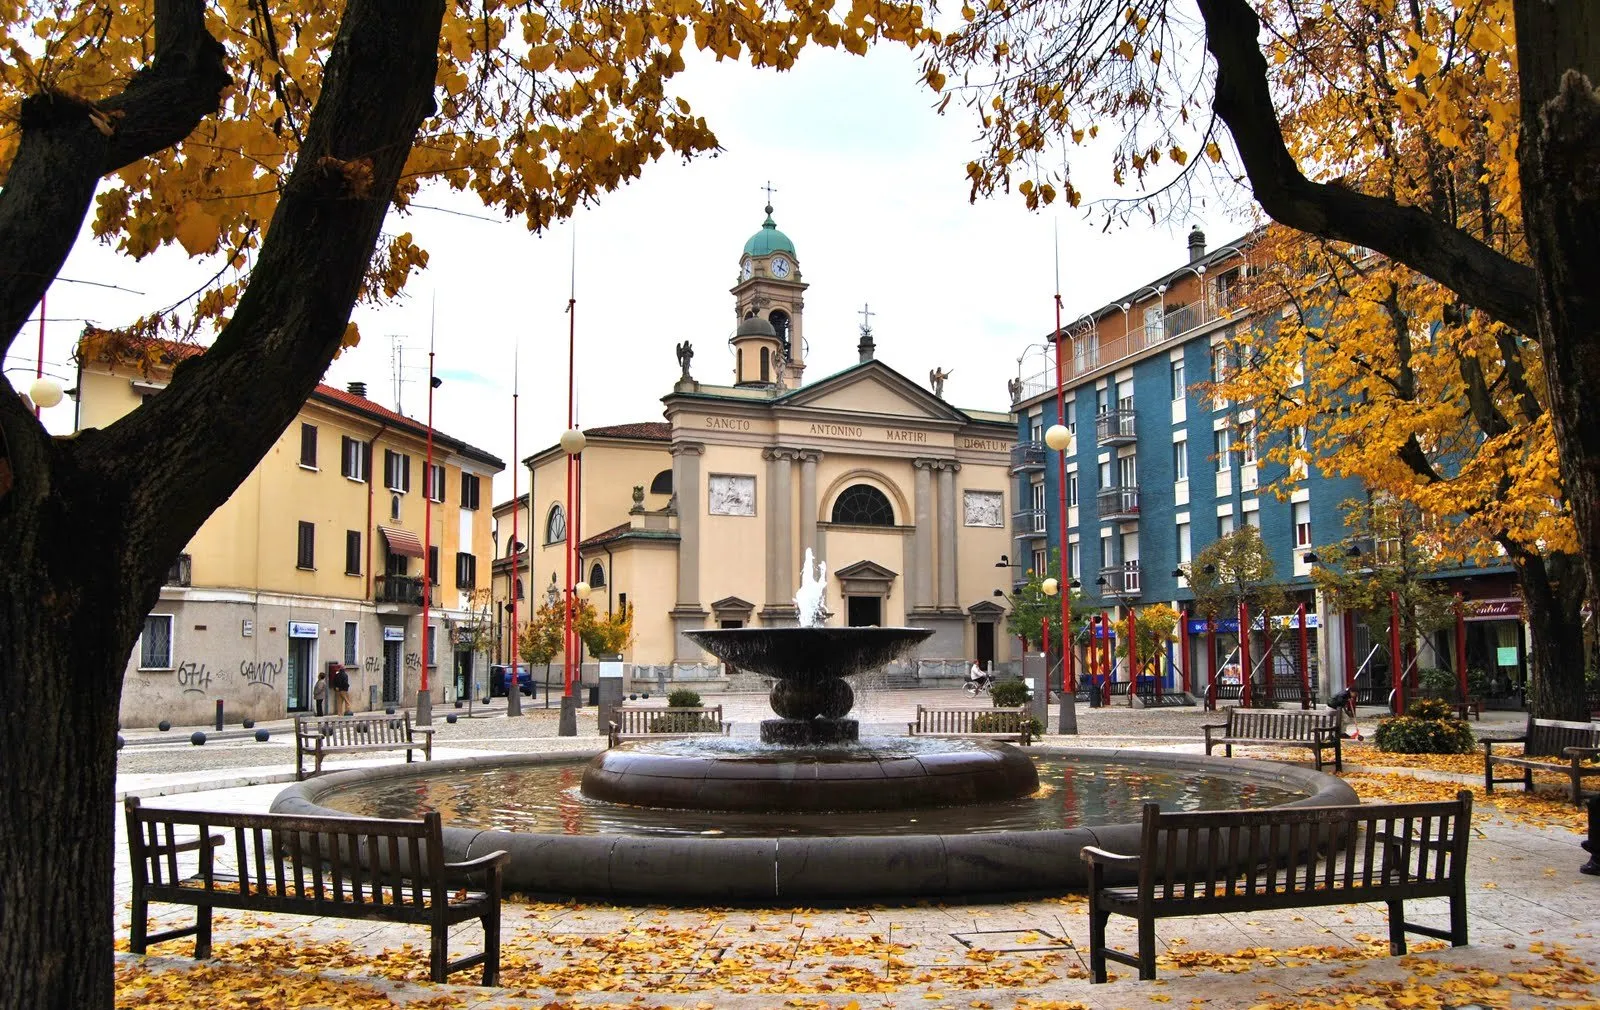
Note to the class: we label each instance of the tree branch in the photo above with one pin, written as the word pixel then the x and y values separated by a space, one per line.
pixel 69 144
pixel 1494 283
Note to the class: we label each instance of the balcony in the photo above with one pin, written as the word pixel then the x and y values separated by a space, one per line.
pixel 1118 503
pixel 1115 427
pixel 1028 456
pixel 399 590
pixel 1120 581
pixel 1028 523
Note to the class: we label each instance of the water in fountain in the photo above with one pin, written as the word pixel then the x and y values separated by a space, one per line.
pixel 809 597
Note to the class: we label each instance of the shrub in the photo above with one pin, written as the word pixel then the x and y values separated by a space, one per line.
pixel 1415 733
pixel 683 698
pixel 1437 683
pixel 1009 694
pixel 683 722
pixel 1005 722
pixel 1430 708
pixel 1477 683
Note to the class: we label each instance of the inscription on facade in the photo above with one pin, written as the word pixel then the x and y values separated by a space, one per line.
pixel 727 423
pixel 901 435
pixel 836 430
pixel 990 444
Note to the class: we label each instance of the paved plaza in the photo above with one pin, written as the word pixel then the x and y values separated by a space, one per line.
pixel 1533 917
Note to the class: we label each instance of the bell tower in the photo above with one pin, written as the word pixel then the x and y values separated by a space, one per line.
pixel 769 291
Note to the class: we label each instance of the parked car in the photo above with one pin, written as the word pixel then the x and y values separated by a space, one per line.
pixel 498 677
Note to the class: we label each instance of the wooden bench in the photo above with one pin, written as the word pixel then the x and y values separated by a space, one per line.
pixel 1317 731
pixel 653 722
pixel 958 722
pixel 345 867
pixel 1549 745
pixel 319 736
pixel 1216 862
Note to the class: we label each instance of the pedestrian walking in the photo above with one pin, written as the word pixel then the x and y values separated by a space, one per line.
pixel 341 691
pixel 319 692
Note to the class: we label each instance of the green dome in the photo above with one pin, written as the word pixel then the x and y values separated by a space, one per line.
pixel 768 240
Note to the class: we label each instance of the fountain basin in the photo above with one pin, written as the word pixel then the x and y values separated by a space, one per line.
pixel 801 869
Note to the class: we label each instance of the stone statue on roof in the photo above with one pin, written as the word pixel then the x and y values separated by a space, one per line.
pixel 685 355
pixel 936 380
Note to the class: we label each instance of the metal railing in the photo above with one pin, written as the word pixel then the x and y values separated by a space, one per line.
pixel 1028 456
pixel 401 589
pixel 1028 523
pixel 1118 503
pixel 1121 580
pixel 1115 427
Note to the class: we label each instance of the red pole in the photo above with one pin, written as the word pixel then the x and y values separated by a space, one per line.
pixel 1133 656
pixel 1183 645
pixel 1397 675
pixel 1069 678
pixel 427 530
pixel 516 556
pixel 1107 657
pixel 1044 643
pixel 1305 662
pixel 1347 620
pixel 1061 498
pixel 1461 646
pixel 1246 694
pixel 567 642
pixel 1211 657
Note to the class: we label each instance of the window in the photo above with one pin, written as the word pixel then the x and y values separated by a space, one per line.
pixel 1178 387
pixel 1105 549
pixel 1127 472
pixel 1180 459
pixel 1036 429
pixel 1184 555
pixel 662 484
pixel 1072 490
pixel 1302 524
pixel 155 644
pixel 1252 519
pixel 597 576
pixel 766 364
pixel 352 552
pixel 1102 401
pixel 1074 562
pixel 308 446
pixel 519 589
pixel 1125 404
pixel 469 491
pixel 863 505
pixel 396 471
pixel 306 552
pixel 555 525
pixel 430 647
pixel 466 571
pixel 394 507
pixel 1071 409
pixel 1247 444
pixel 1105 474
pixel 1153 323
pixel 433 563
pixel 1224 451
pixel 352 644
pixel 355 458
pixel 1224 526
pixel 433 485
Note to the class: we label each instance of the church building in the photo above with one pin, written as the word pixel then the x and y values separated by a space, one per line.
pixel 703 520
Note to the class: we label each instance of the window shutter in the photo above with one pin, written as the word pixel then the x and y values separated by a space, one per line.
pixel 307 554
pixel 366 461
pixel 433 564
pixel 344 456
pixel 352 552
pixel 405 473
pixel 308 445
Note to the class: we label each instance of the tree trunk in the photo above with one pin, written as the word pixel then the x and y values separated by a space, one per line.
pixel 1553 590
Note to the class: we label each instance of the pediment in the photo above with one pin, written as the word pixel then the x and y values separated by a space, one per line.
pixel 866 571
pixel 732 604
pixel 874 388
pixel 986 609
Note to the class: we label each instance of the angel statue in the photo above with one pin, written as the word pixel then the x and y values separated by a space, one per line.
pixel 685 355
pixel 936 380
pixel 1014 387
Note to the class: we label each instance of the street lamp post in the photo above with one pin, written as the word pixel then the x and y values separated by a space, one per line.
pixel 572 443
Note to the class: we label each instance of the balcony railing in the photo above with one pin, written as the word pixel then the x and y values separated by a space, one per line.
pixel 1115 427
pixel 1028 523
pixel 1119 503
pixel 1120 580
pixel 1027 456
pixel 401 589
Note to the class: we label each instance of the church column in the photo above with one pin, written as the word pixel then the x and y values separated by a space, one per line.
pixel 922 540
pixel 947 534
pixel 808 502
pixel 780 543
pixel 687 615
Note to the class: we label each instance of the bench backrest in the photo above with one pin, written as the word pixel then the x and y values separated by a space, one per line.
pixel 282 862
pixel 353 730
pixel 646 719
pixel 1271 724
pixel 1548 737
pixel 959 720
pixel 1232 856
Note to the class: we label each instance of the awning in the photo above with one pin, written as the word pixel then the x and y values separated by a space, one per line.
pixel 401 541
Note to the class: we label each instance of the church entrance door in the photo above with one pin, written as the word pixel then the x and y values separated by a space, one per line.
pixel 985 631
pixel 864 611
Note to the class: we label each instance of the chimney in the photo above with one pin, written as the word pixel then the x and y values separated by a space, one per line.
pixel 1197 245
pixel 358 389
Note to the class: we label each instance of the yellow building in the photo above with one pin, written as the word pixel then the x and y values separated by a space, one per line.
pixel 703 519
pixel 316 560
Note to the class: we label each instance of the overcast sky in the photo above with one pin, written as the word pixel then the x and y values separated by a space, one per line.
pixel 870 187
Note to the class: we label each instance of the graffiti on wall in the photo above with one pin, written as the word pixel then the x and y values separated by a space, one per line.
pixel 193 677
pixel 262 672
pixel 413 661
pixel 372 664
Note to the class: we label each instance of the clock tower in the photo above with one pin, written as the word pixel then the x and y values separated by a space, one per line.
pixel 769 343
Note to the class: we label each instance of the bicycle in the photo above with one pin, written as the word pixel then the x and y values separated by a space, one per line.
pixel 976 688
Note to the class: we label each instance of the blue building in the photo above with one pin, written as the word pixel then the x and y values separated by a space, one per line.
pixel 1156 470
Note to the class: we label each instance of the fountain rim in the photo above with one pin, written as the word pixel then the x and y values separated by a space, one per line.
pixel 837 869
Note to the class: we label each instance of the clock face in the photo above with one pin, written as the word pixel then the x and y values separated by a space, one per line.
pixel 780 267
pixel 747 268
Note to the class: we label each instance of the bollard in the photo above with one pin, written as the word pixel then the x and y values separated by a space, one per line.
pixel 197 738
pixel 163 725
pixel 249 724
pixel 388 710
pixel 120 741
pixel 262 735
pixel 450 718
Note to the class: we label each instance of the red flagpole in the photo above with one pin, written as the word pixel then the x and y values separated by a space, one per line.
pixel 1305 662
pixel 516 556
pixel 425 714
pixel 1246 694
pixel 1065 582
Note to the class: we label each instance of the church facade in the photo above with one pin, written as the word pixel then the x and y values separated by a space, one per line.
pixel 704 519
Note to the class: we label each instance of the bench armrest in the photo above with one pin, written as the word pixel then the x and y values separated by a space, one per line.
pixel 1580 752
pixel 1215 725
pixel 1095 854
pixel 498 857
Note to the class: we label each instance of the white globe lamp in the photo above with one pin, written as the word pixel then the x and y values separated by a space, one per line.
pixel 1057 437
pixel 1050 587
pixel 572 441
pixel 45 391
pixel 581 590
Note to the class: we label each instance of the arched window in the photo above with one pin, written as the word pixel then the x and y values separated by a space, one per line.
pixel 555 525
pixel 662 484
pixel 597 576
pixel 780 325
pixel 766 364
pixel 863 505
pixel 519 589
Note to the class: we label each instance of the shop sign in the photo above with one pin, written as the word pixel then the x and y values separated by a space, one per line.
pixel 302 629
pixel 1508 609
pixel 392 634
